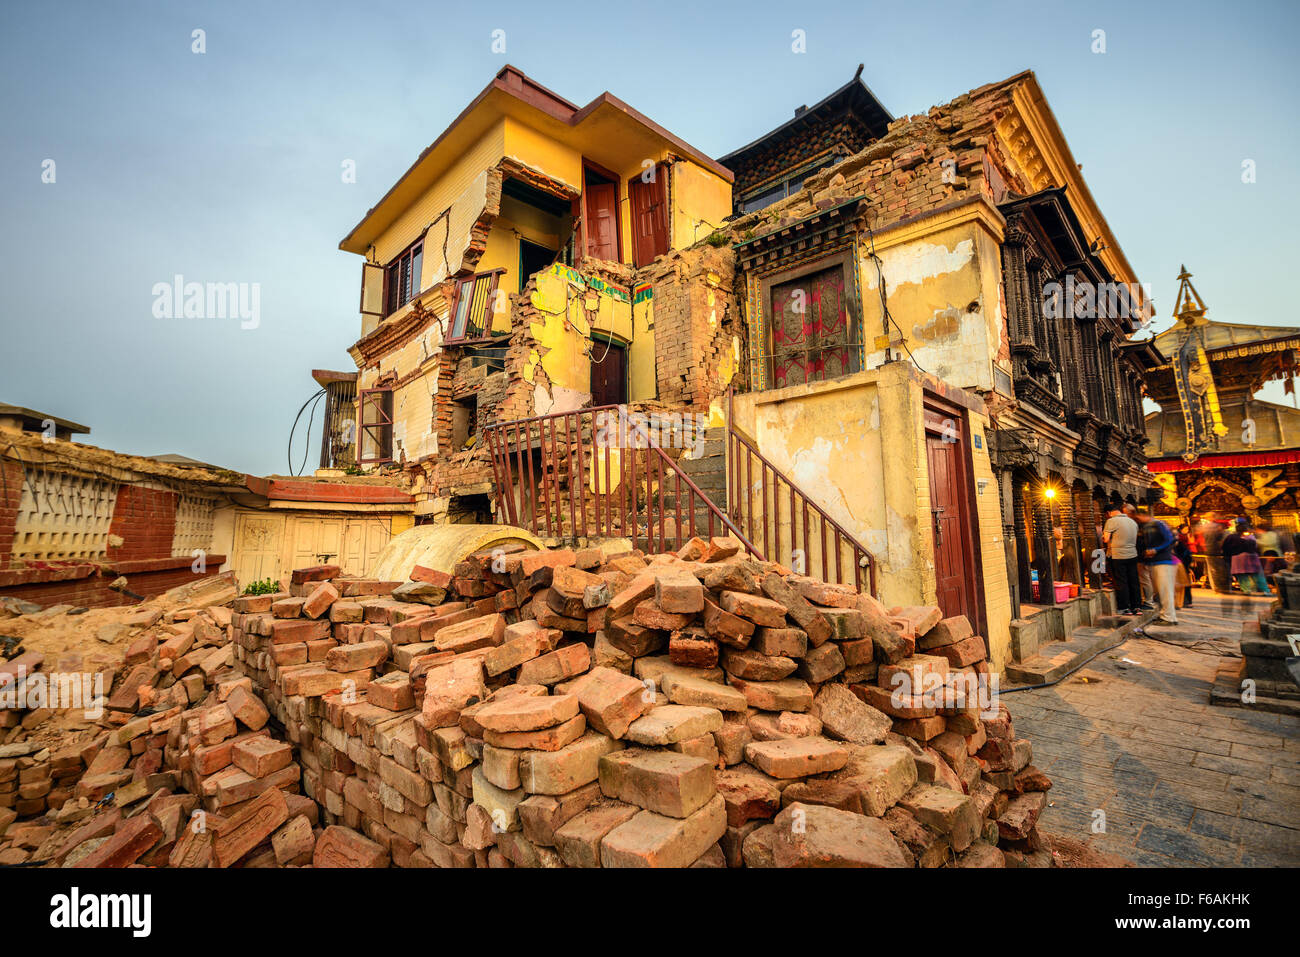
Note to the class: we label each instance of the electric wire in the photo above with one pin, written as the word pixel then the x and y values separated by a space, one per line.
pixel 289 451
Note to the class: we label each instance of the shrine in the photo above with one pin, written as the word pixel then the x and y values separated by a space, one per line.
pixel 1215 446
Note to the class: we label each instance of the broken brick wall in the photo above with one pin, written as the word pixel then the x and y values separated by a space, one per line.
pixel 694 318
pixel 11 485
pixel 145 521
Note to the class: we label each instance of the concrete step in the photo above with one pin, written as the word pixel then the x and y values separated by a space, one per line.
pixel 1058 658
pixel 708 448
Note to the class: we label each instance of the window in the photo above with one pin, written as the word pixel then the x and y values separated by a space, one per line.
pixel 376 433
pixel 402 278
pixel 787 187
pixel 473 306
pixel 812 333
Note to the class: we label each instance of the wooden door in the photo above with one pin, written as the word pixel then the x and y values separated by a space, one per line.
pixel 314 540
pixel 602 220
pixel 609 375
pixel 951 517
pixel 258 540
pixel 649 217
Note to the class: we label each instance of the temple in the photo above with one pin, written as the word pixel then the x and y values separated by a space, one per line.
pixel 1214 444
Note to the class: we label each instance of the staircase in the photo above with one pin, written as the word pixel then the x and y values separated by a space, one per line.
pixel 582 475
pixel 1049 644
pixel 706 466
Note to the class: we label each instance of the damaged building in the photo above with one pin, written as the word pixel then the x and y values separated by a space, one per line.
pixel 86 527
pixel 529 264
pixel 834 344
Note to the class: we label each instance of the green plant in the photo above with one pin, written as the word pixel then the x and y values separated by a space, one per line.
pixel 267 586
pixel 718 239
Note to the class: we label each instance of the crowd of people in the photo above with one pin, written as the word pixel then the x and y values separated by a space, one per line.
pixel 1154 566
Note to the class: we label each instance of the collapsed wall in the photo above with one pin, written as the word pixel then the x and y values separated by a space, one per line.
pixel 555 708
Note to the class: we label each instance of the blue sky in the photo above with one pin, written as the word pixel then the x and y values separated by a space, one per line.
pixel 225 166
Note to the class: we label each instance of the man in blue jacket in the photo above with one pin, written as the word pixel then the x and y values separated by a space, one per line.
pixel 1157 549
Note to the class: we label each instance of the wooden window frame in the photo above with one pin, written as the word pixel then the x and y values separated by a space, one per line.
pixel 840 257
pixel 618 204
pixel 415 290
pixel 661 169
pixel 385 422
pixel 493 278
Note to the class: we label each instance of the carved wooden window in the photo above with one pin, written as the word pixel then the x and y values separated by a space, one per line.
pixel 811 329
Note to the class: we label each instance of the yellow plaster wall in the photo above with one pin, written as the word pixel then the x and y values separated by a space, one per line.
pixel 572 309
pixel 413 401
pixel 557 160
pixel 458 183
pixel 700 199
pixel 993 559
pixel 856 447
pixel 942 290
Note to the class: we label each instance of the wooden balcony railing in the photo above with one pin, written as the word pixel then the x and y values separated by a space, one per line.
pixel 591 474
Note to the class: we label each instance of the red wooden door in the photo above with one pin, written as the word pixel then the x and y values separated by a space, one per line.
pixel 602 221
pixel 609 376
pixel 950 527
pixel 649 217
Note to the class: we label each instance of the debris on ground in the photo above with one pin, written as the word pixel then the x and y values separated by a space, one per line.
pixel 546 708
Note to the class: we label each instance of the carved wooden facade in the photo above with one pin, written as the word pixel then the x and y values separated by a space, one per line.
pixel 1068 325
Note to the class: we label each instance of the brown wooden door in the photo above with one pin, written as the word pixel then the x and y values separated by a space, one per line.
pixel 609 375
pixel 602 221
pixel 649 217
pixel 950 525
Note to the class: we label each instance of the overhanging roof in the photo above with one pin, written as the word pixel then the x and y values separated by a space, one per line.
pixel 1245 337
pixel 521 89
pixel 19 412
pixel 854 95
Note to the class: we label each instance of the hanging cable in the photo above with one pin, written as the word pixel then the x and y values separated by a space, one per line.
pixel 884 305
pixel 289 451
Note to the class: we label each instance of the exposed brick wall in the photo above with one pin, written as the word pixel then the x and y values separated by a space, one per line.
pixel 11 485
pixel 693 306
pixel 93 592
pixel 848 135
pixel 145 520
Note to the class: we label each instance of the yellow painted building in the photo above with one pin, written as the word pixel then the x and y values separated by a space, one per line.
pixel 523 186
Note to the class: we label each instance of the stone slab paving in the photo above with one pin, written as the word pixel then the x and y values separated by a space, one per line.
pixel 1181 783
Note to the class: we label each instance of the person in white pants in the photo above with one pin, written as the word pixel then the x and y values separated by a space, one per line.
pixel 1157 550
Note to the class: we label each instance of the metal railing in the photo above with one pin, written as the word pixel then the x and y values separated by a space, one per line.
pixel 788 538
pixel 591 474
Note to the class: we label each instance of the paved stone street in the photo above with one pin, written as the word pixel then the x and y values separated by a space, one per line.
pixel 1180 782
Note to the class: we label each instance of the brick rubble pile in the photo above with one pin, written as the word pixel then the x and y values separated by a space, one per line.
pixel 559 708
